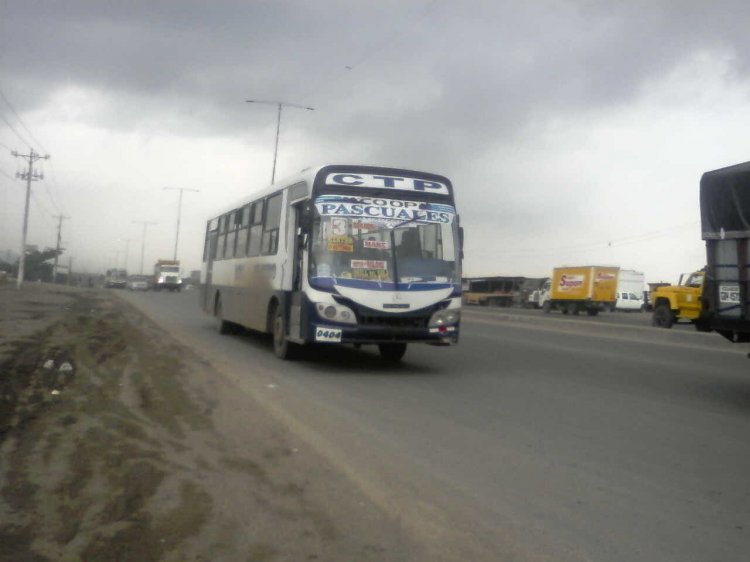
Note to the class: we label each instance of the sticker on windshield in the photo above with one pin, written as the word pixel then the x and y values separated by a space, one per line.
pixel 341 244
pixel 338 227
pixel 365 226
pixel 326 334
pixel 369 264
pixel 376 244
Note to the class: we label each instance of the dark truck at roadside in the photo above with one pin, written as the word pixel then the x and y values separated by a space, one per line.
pixel 725 226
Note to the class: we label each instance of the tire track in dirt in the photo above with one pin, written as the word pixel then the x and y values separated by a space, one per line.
pixel 119 459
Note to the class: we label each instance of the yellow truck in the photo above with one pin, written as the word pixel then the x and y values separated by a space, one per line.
pixel 673 303
pixel 586 288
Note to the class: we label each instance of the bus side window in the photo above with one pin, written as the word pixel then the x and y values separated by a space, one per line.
pixel 256 229
pixel 271 225
pixel 210 233
pixel 231 235
pixel 242 226
pixel 222 237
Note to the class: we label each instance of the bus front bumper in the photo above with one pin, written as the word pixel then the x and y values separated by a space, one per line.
pixel 324 333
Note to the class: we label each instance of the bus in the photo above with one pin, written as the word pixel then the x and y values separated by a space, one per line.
pixel 339 254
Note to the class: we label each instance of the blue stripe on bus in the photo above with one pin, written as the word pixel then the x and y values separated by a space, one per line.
pixel 355 199
pixel 330 283
pixel 728 308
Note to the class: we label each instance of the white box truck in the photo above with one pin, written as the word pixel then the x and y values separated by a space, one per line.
pixel 630 289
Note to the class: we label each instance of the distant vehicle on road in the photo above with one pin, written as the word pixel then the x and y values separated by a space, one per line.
pixel 339 254
pixel 116 279
pixel 138 283
pixel 673 303
pixel 631 288
pixel 492 291
pixel 578 289
pixel 167 275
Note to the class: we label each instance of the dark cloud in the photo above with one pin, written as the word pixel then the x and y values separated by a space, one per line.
pixel 453 87
pixel 469 70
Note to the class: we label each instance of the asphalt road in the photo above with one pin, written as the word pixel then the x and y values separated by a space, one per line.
pixel 538 437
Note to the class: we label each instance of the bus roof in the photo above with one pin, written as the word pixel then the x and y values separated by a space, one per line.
pixel 308 176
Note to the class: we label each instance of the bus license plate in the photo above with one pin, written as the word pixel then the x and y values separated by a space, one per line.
pixel 327 334
pixel 729 294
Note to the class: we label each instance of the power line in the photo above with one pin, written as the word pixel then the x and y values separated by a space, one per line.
pixel 280 105
pixel 5 99
pixel 43 211
pixel 12 128
pixel 407 24
pixel 38 143
pixel 56 189
pixel 601 244
pixel 3 172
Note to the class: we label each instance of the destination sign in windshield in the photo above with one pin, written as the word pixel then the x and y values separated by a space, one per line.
pixel 396 210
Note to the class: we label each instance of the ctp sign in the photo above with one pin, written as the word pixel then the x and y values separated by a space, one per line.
pixel 380 181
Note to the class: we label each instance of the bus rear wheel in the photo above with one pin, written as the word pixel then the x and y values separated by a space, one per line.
pixel 282 347
pixel 222 326
pixel 392 352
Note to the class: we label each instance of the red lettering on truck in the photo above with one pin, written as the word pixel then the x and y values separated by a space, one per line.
pixel 571 281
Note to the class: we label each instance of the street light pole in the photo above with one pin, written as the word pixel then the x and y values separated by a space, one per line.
pixel 179 214
pixel 279 104
pixel 127 251
pixel 143 240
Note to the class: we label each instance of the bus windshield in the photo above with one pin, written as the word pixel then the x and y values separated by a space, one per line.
pixel 382 241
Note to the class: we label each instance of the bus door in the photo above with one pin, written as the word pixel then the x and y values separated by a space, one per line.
pixel 212 237
pixel 299 238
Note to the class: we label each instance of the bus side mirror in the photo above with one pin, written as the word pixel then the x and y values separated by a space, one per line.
pixel 306 218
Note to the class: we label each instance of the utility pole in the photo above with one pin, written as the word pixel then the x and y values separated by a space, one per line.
pixel 279 104
pixel 29 176
pixel 179 214
pixel 143 240
pixel 60 218
pixel 127 251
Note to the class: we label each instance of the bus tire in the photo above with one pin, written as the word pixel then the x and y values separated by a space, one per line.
pixel 392 352
pixel 282 347
pixel 546 307
pixel 222 326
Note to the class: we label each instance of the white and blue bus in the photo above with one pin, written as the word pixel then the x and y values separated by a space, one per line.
pixel 339 254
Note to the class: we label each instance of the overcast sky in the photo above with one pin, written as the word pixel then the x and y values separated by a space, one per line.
pixel 574 132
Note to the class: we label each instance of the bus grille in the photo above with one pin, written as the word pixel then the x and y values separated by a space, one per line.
pixel 393 321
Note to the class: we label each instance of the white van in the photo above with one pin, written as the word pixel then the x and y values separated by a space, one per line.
pixel 629 301
pixel 630 287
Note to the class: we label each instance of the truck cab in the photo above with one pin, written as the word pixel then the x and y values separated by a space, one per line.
pixel 673 303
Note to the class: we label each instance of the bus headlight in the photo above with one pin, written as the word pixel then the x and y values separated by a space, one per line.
pixel 336 313
pixel 445 317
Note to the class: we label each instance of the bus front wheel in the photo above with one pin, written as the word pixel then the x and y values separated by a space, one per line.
pixel 392 352
pixel 282 347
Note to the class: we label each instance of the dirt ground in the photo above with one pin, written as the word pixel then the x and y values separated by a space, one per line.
pixel 112 447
